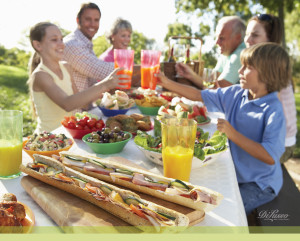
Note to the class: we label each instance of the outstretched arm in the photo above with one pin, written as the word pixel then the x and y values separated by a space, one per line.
pixel 44 82
pixel 253 148
pixel 181 89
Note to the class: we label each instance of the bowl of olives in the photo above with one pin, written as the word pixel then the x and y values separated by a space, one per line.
pixel 107 141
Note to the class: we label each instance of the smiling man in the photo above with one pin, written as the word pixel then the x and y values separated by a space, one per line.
pixel 87 68
pixel 230 34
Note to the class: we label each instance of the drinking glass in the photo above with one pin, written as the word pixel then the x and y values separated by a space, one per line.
pixel 209 77
pixel 178 140
pixel 149 66
pixel 11 138
pixel 124 58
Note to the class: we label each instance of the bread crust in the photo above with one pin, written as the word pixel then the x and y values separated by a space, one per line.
pixel 122 213
pixel 187 202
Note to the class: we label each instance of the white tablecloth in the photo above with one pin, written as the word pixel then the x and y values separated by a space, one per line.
pixel 219 176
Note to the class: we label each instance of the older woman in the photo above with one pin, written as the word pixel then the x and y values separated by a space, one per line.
pixel 267 28
pixel 119 36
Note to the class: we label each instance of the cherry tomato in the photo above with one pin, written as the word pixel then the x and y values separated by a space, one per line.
pixel 78 127
pixel 85 119
pixel 91 122
pixel 81 122
pixel 64 123
pixel 71 125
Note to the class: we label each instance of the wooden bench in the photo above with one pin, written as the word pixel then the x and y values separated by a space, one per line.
pixel 284 210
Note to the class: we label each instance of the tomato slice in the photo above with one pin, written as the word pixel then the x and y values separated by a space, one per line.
pixel 185 195
pixel 137 211
pixel 91 188
pixel 64 177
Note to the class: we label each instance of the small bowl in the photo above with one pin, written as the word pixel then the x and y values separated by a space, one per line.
pixel 107 148
pixel 46 153
pixel 78 134
pixel 109 112
pixel 148 110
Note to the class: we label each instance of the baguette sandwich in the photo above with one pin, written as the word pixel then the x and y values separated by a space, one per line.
pixel 124 204
pixel 172 190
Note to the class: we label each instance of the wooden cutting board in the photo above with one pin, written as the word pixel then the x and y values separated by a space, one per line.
pixel 68 210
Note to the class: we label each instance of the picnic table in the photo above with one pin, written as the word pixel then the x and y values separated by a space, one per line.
pixel 219 176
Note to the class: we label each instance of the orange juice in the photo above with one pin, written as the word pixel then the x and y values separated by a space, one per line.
pixel 126 85
pixel 148 80
pixel 177 162
pixel 10 157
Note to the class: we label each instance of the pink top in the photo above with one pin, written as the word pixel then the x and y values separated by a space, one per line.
pixel 287 99
pixel 108 55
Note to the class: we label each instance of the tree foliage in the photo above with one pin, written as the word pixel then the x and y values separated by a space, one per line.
pixel 14 57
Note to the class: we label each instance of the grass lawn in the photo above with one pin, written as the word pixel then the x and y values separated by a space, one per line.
pixel 14 95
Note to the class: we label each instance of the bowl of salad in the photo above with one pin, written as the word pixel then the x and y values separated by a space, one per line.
pixel 47 143
pixel 183 108
pixel 206 150
pixel 116 104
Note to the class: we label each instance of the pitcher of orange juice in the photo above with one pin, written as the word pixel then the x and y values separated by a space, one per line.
pixel 178 140
pixel 11 136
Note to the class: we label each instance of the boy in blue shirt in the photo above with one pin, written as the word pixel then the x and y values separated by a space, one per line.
pixel 254 120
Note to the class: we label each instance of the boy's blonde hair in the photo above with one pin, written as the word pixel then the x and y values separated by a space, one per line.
pixel 272 63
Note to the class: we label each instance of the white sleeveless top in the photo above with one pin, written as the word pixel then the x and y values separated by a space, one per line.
pixel 49 114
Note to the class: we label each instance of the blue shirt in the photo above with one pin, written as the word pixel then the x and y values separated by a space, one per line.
pixel 261 120
pixel 228 66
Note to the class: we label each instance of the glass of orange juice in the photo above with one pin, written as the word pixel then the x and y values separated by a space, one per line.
pixel 124 58
pixel 149 66
pixel 11 136
pixel 178 140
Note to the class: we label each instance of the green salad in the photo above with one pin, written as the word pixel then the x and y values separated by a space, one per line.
pixel 203 144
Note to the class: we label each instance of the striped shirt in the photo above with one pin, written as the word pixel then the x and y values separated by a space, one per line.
pixel 87 68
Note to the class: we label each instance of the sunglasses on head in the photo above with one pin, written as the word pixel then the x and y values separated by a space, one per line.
pixel 265 17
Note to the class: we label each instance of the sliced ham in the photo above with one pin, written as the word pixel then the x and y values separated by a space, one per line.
pixel 139 179
pixel 198 195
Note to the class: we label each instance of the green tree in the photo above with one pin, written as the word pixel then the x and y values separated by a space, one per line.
pixel 138 42
pixel 100 45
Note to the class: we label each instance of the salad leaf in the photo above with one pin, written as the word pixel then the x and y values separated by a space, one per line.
pixel 157 127
pixel 147 141
pixel 198 152
pixel 216 143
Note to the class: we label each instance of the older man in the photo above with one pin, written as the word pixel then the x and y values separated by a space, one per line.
pixel 230 33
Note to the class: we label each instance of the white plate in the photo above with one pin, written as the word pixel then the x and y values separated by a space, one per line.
pixel 156 157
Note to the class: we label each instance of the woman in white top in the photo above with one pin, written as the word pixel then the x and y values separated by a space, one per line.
pixel 51 85
pixel 267 28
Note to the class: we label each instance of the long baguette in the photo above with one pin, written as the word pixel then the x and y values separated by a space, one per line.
pixel 183 193
pixel 150 221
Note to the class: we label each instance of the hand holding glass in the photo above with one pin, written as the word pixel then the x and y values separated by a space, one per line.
pixel 124 58
pixel 11 139
pixel 149 66
pixel 178 140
